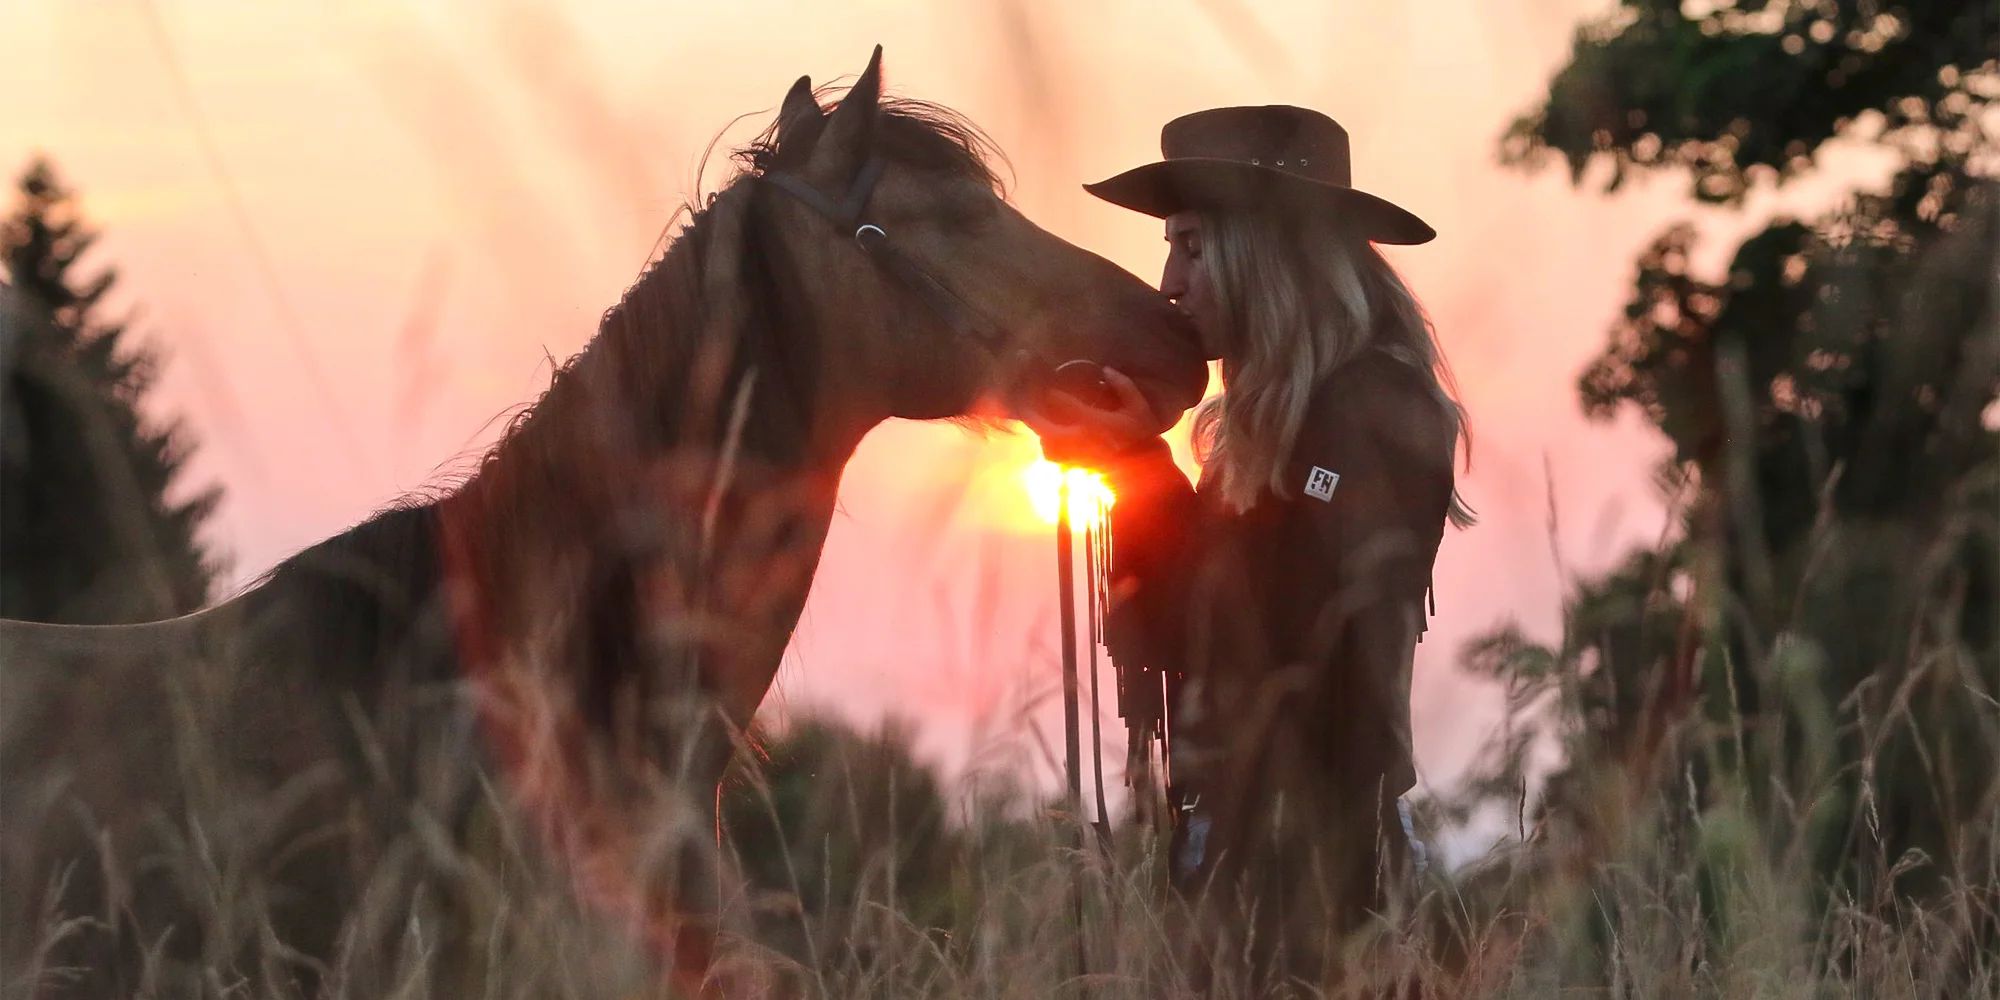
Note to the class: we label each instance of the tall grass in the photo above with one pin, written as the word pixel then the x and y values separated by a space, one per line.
pixel 879 893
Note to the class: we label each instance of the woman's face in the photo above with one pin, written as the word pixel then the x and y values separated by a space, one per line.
pixel 1185 280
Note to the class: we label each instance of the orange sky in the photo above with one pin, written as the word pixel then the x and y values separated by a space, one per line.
pixel 437 197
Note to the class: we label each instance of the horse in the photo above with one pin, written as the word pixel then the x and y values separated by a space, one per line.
pixel 327 783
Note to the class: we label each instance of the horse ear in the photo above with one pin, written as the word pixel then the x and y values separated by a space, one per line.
pixel 850 130
pixel 800 121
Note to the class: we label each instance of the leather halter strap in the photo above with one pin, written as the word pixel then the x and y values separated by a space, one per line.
pixel 849 212
pixel 846 212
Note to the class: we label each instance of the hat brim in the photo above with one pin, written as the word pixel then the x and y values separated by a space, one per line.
pixel 1178 185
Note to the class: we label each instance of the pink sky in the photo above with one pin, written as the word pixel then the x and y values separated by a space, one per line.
pixel 449 193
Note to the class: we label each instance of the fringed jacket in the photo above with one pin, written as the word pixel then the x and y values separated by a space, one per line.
pixel 1292 623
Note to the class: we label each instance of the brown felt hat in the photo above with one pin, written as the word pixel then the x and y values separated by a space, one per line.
pixel 1275 156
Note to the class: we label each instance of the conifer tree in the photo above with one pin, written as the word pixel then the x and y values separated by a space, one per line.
pixel 88 531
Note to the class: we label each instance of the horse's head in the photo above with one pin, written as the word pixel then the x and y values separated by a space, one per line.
pixel 942 297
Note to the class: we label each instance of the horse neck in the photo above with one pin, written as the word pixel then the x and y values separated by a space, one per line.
pixel 677 480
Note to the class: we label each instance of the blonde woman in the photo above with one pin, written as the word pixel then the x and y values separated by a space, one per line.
pixel 1285 597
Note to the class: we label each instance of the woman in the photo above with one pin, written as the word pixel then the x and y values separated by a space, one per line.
pixel 1288 592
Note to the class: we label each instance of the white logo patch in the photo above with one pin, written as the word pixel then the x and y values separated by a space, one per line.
pixel 1320 483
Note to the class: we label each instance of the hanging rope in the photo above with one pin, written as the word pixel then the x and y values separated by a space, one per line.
pixel 1066 618
pixel 1141 692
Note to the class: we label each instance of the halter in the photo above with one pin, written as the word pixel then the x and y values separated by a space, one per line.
pixel 848 213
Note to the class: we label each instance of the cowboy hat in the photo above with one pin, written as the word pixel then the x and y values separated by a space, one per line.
pixel 1257 157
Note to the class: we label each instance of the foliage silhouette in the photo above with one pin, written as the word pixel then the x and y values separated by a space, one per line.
pixel 90 531
pixel 1802 681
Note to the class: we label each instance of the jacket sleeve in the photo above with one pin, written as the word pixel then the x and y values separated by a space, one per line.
pixel 1372 511
pixel 1154 524
pixel 1372 534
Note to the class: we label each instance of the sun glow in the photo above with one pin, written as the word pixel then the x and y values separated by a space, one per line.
pixel 1088 493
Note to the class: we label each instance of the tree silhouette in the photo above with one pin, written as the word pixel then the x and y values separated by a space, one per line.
pixel 853 853
pixel 87 531
pixel 1816 653
pixel 855 817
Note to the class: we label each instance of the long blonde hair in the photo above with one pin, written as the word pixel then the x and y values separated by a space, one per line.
pixel 1300 299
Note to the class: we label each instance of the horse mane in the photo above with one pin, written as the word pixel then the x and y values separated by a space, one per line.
pixel 914 133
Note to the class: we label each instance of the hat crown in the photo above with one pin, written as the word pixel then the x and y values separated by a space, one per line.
pixel 1279 137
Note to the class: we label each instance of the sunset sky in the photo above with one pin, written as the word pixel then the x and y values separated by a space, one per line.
pixel 361 230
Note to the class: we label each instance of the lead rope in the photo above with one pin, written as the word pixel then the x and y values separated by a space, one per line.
pixel 1096 540
pixel 1066 619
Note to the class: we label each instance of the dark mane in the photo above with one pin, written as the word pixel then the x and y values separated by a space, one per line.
pixel 918 134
